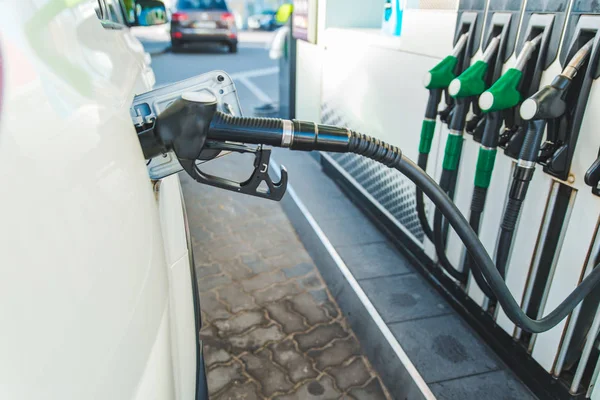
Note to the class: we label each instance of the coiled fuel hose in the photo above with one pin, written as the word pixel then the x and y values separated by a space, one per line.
pixel 307 136
pixel 188 123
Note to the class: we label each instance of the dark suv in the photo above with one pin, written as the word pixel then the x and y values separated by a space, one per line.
pixel 203 21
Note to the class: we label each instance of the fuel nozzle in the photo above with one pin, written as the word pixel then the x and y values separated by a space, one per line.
pixel 192 124
pixel 469 83
pixel 504 93
pixel 472 81
pixel 440 76
pixel 550 101
pixel 437 79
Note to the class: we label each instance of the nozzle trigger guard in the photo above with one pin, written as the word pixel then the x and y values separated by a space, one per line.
pixel 251 186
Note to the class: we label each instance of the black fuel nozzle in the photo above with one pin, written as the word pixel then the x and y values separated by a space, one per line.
pixel 183 125
pixel 550 101
pixel 192 124
pixel 184 128
pixel 554 104
pixel 528 156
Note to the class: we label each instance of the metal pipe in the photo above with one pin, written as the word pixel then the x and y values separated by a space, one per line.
pixel 575 315
pixel 585 354
pixel 593 381
pixel 578 60
pixel 490 52
pixel 528 50
pixel 460 44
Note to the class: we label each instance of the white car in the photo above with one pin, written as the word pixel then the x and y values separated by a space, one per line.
pixel 97 293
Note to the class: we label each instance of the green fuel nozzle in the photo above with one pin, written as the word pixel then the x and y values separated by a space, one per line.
pixel 504 93
pixel 437 79
pixel 472 81
pixel 440 76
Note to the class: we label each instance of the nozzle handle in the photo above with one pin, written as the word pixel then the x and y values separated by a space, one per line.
pixel 471 82
pixel 504 92
pixel 440 76
pixel 548 102
pixel 183 125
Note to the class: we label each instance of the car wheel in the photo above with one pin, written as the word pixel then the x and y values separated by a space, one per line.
pixel 233 47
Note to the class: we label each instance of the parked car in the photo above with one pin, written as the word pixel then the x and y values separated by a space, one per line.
pixel 97 288
pixel 264 21
pixel 207 21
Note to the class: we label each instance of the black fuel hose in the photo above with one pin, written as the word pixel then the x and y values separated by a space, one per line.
pixel 427 132
pixel 320 137
pixel 440 229
pixel 485 263
pixel 421 214
pixel 173 134
pixel 477 206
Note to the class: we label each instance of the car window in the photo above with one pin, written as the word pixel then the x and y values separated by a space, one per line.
pixel 115 12
pixel 110 13
pixel 207 5
pixel 129 10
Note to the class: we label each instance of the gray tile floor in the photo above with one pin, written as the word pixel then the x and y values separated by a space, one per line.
pixel 360 260
pixel 452 359
pixel 404 298
pixel 271 329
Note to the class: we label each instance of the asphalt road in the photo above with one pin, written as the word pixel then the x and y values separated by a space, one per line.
pixel 255 74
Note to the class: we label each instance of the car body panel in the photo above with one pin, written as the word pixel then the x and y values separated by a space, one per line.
pixel 203 24
pixel 90 257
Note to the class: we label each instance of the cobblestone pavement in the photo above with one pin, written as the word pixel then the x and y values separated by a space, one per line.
pixel 271 329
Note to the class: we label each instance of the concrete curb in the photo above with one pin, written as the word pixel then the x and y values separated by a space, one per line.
pixel 384 352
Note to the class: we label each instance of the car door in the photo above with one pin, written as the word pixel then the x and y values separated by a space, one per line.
pixel 89 250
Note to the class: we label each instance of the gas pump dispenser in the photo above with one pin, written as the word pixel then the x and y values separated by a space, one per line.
pixel 545 129
pixel 482 174
pixel 567 157
pixel 552 237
